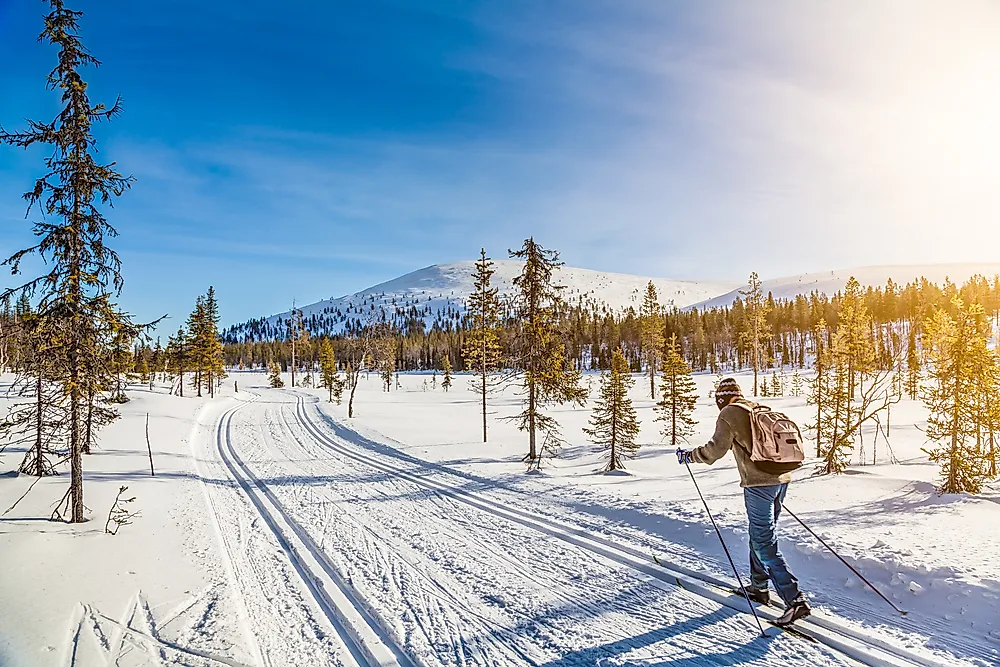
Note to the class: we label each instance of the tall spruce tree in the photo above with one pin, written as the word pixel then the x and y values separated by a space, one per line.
pixel 446 370
pixel 678 395
pixel 274 375
pixel 539 352
pixel 614 423
pixel 756 323
pixel 912 365
pixel 958 358
pixel 329 375
pixel 481 351
pixel 651 330
pixel 211 345
pixel 82 270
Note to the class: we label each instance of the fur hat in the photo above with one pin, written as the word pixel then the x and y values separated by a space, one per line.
pixel 726 391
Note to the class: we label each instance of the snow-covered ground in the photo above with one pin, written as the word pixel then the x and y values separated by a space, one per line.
pixel 276 532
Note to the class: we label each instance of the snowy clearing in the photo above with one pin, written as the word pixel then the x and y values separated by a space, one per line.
pixel 275 532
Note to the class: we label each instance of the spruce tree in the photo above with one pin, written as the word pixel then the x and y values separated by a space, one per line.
pixel 614 423
pixel 651 332
pixel 538 350
pixel 678 396
pixel 446 369
pixel 274 376
pixel 756 323
pixel 212 349
pixel 82 270
pixel 329 375
pixel 912 365
pixel 796 384
pixel 177 356
pixel 777 388
pixel 958 356
pixel 481 351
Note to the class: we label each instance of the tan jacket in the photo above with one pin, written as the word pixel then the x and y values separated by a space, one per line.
pixel 732 431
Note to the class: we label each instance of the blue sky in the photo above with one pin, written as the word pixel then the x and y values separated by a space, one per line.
pixel 311 149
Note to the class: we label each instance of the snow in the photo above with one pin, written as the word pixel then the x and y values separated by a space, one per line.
pixel 278 532
pixel 831 282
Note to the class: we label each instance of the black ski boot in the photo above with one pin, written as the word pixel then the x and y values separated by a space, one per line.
pixel 795 611
pixel 757 595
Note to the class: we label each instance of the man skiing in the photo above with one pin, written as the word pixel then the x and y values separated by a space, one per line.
pixel 763 494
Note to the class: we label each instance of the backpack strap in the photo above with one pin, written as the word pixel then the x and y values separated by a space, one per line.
pixel 750 408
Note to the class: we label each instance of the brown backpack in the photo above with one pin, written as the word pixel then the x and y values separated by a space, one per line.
pixel 777 440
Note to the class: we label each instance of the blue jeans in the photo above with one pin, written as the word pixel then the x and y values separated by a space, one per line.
pixel 766 562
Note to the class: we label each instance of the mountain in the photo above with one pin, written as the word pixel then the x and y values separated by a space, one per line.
pixel 831 282
pixel 437 294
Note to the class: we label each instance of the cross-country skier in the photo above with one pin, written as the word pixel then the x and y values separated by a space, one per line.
pixel 763 494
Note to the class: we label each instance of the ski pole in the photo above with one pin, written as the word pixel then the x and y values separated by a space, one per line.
pixel 849 566
pixel 726 549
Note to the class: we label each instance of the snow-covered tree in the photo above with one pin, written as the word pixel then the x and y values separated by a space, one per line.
pixel 614 423
pixel 678 395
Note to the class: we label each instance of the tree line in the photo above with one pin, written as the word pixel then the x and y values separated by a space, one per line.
pixel 866 348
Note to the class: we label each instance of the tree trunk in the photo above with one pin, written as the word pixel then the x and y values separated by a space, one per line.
pixel 532 451
pixel 483 378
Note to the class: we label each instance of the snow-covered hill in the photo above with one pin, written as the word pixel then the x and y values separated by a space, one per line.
pixel 831 282
pixel 439 292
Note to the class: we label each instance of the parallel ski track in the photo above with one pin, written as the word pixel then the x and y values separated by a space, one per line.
pixel 485 626
pixel 855 644
pixel 474 518
pixel 301 549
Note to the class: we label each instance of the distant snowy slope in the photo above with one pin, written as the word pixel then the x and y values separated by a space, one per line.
pixel 438 293
pixel 831 282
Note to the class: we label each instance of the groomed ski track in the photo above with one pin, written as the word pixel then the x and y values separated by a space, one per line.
pixel 388 560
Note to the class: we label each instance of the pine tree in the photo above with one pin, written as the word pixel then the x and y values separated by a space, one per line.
pixel 197 328
pixel 678 396
pixel 298 336
pixel 212 350
pixel 958 357
pixel 912 365
pixel 756 322
pixel 776 386
pixel 797 384
pixel 651 332
pixel 177 354
pixel 481 352
pixel 329 375
pixel 614 423
pixel 39 421
pixel 274 376
pixel 83 272
pixel 539 352
pixel 446 369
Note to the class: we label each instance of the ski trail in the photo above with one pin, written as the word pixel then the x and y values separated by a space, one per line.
pixel 844 639
pixel 459 585
pixel 283 623
pixel 364 641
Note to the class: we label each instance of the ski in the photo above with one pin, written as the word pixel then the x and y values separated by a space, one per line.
pixel 784 628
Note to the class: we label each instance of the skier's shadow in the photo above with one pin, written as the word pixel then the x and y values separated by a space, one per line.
pixel 754 648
